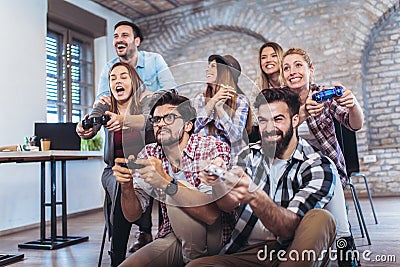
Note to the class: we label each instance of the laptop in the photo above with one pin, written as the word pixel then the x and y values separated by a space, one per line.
pixel 61 135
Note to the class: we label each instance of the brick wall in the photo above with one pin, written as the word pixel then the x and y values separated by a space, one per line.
pixel 352 42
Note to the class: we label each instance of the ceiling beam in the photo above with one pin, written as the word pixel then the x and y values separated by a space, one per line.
pixel 173 2
pixel 122 2
pixel 153 6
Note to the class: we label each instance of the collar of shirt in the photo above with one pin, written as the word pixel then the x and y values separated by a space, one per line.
pixel 298 153
pixel 140 61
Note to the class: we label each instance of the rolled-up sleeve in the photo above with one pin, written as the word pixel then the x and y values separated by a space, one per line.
pixel 141 194
pixel 199 103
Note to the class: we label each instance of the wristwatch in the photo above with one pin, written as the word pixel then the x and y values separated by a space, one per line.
pixel 172 187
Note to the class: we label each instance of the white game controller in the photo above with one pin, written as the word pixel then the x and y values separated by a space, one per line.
pixel 215 170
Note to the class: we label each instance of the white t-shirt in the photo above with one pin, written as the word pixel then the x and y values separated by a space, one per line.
pixel 259 232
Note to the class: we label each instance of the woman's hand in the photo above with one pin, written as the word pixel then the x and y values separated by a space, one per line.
pixel 347 100
pixel 82 132
pixel 115 123
pixel 313 108
pixel 224 93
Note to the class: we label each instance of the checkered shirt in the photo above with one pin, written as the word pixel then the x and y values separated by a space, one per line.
pixel 323 128
pixel 230 129
pixel 198 151
pixel 309 184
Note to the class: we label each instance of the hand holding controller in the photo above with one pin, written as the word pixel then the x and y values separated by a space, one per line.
pixel 132 165
pixel 90 122
pixel 215 170
pixel 327 94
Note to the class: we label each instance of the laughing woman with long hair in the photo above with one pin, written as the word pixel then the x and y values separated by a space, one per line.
pixel 129 102
pixel 223 110
pixel 269 63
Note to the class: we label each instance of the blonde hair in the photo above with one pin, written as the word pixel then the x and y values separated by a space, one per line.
pixel 304 54
pixel 301 52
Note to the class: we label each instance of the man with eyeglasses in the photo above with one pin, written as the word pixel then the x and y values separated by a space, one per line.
pixel 192 225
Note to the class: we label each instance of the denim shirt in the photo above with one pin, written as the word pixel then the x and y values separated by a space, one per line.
pixel 152 69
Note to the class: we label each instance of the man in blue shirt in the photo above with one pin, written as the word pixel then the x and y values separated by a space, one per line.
pixel 154 72
pixel 151 67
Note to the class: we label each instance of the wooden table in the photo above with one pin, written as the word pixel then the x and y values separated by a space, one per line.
pixel 54 241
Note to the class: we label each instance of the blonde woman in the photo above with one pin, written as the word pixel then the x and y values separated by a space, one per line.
pixel 317 127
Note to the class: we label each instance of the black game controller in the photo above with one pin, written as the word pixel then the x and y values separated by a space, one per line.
pixel 328 94
pixel 132 164
pixel 90 122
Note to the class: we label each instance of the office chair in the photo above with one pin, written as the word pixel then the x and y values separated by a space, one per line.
pixel 103 240
pixel 348 144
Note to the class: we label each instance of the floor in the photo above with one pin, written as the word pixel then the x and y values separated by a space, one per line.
pixel 385 238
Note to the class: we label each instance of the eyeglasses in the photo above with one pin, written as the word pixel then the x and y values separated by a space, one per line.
pixel 168 119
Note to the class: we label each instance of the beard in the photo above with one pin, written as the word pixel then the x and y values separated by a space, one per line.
pixel 169 141
pixel 281 145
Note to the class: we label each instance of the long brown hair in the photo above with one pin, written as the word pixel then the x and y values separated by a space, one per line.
pixel 263 80
pixel 224 76
pixel 138 88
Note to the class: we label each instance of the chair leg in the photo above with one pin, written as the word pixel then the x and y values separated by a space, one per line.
pixel 370 199
pixel 368 192
pixel 357 209
pixel 354 246
pixel 102 246
pixel 358 206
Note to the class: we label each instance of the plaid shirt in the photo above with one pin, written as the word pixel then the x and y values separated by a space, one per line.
pixel 323 128
pixel 309 183
pixel 199 151
pixel 230 130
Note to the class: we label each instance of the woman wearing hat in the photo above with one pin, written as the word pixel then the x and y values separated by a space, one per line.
pixel 222 109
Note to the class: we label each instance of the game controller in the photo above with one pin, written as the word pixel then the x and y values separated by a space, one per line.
pixel 215 170
pixel 90 122
pixel 132 164
pixel 327 94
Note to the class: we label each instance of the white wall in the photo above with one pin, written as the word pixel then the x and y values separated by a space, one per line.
pixel 23 27
pixel 104 51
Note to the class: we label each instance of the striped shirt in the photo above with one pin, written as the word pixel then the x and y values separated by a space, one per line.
pixel 309 184
pixel 198 152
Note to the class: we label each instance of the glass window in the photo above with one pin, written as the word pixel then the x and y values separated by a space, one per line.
pixel 69 69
